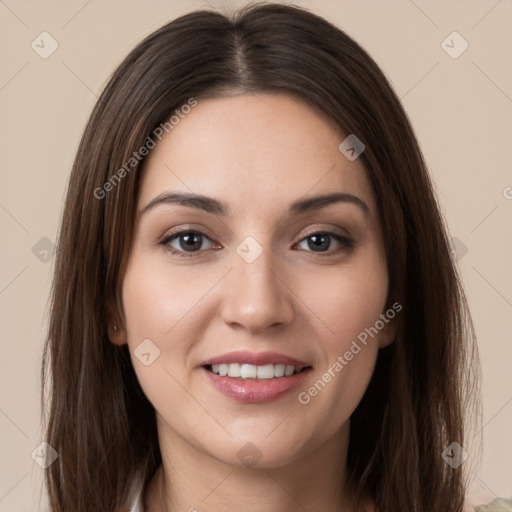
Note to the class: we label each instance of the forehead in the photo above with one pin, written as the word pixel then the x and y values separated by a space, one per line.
pixel 250 150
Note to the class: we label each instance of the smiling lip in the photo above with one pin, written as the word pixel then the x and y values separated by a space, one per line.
pixel 255 358
pixel 252 391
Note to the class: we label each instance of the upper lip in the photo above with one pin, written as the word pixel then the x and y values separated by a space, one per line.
pixel 256 359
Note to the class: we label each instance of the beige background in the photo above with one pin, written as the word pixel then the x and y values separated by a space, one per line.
pixel 461 110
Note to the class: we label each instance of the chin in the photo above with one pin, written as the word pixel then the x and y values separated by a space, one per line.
pixel 254 452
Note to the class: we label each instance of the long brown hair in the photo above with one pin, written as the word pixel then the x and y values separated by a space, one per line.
pixel 98 418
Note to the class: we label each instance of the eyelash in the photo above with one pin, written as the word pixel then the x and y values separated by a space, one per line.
pixel 345 242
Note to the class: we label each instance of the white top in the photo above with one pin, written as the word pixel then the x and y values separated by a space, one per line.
pixel 137 505
pixel 498 505
pixel 137 494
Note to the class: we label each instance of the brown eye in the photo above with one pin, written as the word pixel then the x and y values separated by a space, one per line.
pixel 324 242
pixel 188 241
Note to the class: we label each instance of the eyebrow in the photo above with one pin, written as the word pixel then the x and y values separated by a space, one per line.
pixel 210 205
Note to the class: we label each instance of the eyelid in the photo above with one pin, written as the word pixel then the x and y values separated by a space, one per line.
pixel 171 236
pixel 187 228
pixel 331 230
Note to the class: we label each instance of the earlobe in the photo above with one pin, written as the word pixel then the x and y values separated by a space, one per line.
pixel 116 334
pixel 389 330
pixel 387 335
pixel 116 330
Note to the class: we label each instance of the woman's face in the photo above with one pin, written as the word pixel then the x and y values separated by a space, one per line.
pixel 257 252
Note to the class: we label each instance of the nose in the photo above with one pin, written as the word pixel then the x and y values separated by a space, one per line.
pixel 256 296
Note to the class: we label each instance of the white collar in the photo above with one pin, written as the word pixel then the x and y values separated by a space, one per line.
pixel 137 495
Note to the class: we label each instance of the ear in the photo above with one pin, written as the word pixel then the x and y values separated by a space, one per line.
pixel 116 327
pixel 387 334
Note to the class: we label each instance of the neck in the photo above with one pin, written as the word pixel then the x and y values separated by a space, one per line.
pixel 191 480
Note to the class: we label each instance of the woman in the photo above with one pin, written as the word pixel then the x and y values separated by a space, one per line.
pixel 255 303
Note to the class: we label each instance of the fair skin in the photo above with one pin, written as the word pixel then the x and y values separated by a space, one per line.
pixel 302 297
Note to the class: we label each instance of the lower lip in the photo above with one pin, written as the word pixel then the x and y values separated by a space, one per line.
pixel 252 391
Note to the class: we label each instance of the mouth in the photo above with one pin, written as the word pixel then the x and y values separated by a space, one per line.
pixel 251 371
pixel 253 378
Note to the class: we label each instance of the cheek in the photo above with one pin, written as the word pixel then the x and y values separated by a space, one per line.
pixel 347 301
pixel 158 300
pixel 161 310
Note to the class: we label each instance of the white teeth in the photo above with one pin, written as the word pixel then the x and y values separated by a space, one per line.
pixel 266 372
pixel 234 370
pixel 250 371
pixel 247 371
pixel 279 370
pixel 288 370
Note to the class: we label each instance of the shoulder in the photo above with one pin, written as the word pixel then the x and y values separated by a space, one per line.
pixel 498 505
